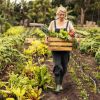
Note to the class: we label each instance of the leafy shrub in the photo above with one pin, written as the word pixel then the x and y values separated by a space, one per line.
pixel 82 32
pixel 15 30
pixel 39 74
pixel 97 56
pixel 37 51
pixel 38 33
pixel 85 45
pixel 11 48
pixel 21 87
pixel 7 26
pixel 98 22
pixel 90 44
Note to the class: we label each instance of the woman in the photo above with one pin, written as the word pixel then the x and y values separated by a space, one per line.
pixel 60 58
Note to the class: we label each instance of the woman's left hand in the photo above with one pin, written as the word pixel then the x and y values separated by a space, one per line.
pixel 72 34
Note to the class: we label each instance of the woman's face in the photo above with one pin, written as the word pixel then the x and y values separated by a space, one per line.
pixel 61 15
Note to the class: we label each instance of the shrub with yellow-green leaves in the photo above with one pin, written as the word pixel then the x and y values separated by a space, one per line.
pixel 91 45
pixel 21 87
pixel 16 30
pixel 38 33
pixel 25 87
pixel 40 74
pixel 11 50
pixel 37 51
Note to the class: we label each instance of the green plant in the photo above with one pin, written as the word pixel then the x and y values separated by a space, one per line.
pixel 82 32
pixel 15 30
pixel 62 34
pixel 37 51
pixel 38 33
pixel 42 76
pixel 97 56
pixel 19 93
pixel 98 22
pixel 90 44
pixel 39 74
pixel 22 87
pixel 35 94
pixel 11 51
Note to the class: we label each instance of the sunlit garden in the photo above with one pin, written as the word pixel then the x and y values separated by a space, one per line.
pixel 26 62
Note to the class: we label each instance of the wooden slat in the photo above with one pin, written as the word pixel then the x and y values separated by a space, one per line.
pixel 57 44
pixel 60 44
pixel 58 39
pixel 60 48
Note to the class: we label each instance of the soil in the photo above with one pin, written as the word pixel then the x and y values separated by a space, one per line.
pixel 70 91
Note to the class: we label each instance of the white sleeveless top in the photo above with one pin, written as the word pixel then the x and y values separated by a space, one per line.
pixel 69 27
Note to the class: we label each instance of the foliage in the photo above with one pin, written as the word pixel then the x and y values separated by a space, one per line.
pixel 21 87
pixel 25 87
pixel 37 50
pixel 44 11
pixel 97 56
pixel 91 45
pixel 62 34
pixel 35 94
pixel 93 30
pixel 37 47
pixel 9 56
pixel 11 50
pixel 98 23
pixel 41 13
pixel 40 74
pixel 85 31
pixel 58 2
pixel 16 30
pixel 38 33
pixel 82 32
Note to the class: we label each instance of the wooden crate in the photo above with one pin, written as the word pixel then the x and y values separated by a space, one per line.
pixel 57 44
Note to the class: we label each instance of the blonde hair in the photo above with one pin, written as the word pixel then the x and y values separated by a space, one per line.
pixel 61 9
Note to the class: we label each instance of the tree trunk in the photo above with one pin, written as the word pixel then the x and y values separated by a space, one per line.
pixel 82 16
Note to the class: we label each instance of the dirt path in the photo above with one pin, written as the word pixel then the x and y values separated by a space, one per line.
pixel 70 91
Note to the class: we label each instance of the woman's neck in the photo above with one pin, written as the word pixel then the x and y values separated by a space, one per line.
pixel 61 20
pixel 60 23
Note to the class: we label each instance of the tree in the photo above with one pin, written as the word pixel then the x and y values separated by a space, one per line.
pixel 96 6
pixel 58 2
pixel 41 11
pixel 82 6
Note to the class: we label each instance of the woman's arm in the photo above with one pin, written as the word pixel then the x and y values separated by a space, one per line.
pixel 71 29
pixel 50 28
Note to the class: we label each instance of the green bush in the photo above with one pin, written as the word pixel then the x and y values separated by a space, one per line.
pixel 16 30
pixel 97 56
pixel 98 23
